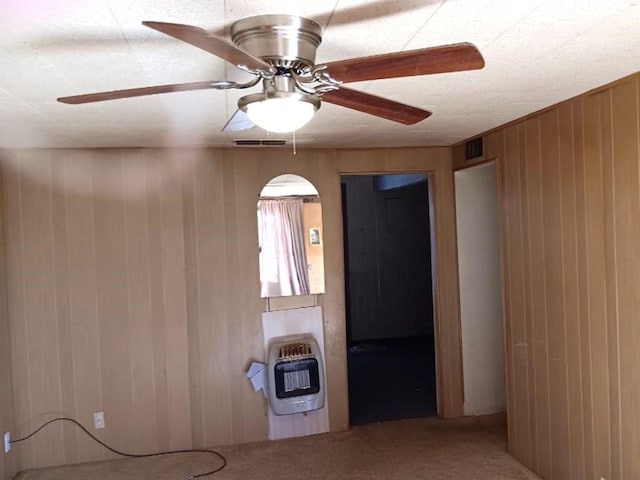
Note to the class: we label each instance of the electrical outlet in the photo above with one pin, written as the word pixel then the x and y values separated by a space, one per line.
pixel 98 420
pixel 7 442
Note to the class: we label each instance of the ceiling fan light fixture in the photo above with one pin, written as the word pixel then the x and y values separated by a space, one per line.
pixel 280 112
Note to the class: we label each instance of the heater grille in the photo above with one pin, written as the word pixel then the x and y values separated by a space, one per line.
pixel 296 376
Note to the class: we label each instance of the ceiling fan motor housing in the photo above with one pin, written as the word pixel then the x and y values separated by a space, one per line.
pixel 285 41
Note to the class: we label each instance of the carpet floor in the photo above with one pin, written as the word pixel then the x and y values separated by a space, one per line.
pixel 391 379
pixel 416 449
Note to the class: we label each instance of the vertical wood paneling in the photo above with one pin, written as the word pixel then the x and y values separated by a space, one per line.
pixel 196 384
pixel 138 280
pixel 112 292
pixel 82 298
pixel 175 360
pixel 611 287
pixel 133 289
pixel 528 298
pixel 158 313
pixel 538 292
pixel 497 152
pixel 518 347
pixel 63 306
pixel 596 270
pixel 233 215
pixel 233 295
pixel 626 202
pixel 447 320
pixel 580 204
pixel 554 280
pixel 249 409
pixel 16 316
pixel 582 312
pixel 210 244
pixel 520 266
pixel 571 305
pixel 8 465
pixel 40 303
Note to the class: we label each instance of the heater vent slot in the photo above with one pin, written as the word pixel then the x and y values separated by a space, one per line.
pixel 294 351
pixel 473 149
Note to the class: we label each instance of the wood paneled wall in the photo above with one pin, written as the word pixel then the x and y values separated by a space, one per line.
pixel 133 289
pixel 569 182
pixel 95 270
pixel 220 198
pixel 8 467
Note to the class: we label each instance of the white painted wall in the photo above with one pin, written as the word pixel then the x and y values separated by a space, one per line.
pixel 480 290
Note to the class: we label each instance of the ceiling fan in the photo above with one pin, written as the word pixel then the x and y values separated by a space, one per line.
pixel 280 51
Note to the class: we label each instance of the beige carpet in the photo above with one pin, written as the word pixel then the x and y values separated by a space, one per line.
pixel 428 449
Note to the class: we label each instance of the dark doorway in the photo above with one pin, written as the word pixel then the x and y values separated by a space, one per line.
pixel 390 339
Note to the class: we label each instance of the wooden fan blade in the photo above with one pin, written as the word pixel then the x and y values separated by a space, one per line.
pixel 374 105
pixel 136 92
pixel 445 58
pixel 208 42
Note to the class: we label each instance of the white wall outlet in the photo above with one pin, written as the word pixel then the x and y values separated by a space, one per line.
pixel 7 442
pixel 98 420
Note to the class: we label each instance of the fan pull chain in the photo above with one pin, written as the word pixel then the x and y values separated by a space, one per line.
pixel 294 143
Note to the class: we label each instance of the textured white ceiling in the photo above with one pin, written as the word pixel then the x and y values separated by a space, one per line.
pixel 537 53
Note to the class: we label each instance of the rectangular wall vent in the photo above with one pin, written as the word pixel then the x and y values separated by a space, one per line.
pixel 473 149
pixel 260 143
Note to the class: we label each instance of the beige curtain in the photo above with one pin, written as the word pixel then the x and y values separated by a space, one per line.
pixel 283 259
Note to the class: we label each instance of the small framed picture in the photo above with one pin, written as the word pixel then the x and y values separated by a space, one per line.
pixel 314 236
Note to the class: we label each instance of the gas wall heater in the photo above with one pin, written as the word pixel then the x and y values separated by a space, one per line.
pixel 296 376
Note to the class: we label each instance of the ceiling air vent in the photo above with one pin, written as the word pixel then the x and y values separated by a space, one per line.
pixel 473 149
pixel 260 143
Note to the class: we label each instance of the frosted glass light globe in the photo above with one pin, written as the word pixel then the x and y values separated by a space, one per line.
pixel 281 114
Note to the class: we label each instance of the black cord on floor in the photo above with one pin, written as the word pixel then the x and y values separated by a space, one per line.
pixel 117 452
